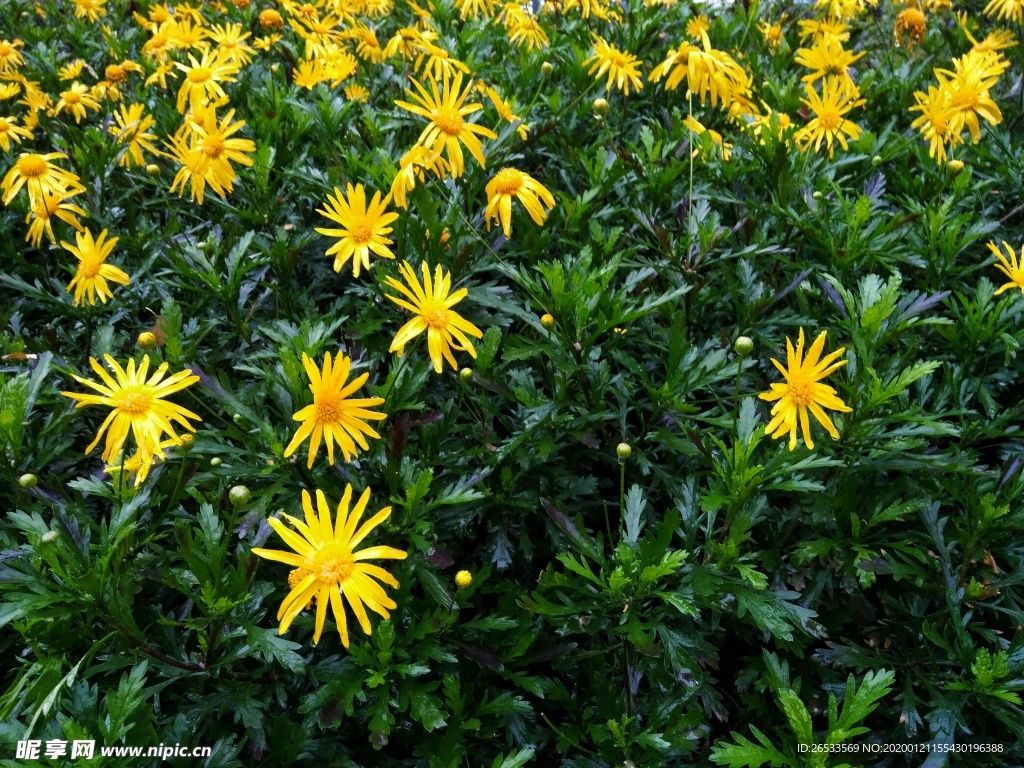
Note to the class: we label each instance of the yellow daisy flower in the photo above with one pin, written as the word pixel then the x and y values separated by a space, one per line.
pixel 11 59
pixel 90 9
pixel 201 84
pixel 132 130
pixel 1011 267
pixel 38 175
pixel 75 100
pixel 328 565
pixel 509 184
pixel 432 304
pixel 446 110
pixel 803 391
pixel 934 122
pixel 40 217
pixel 9 129
pixel 829 123
pixel 138 405
pixel 623 68
pixel 92 274
pixel 363 228
pixel 334 416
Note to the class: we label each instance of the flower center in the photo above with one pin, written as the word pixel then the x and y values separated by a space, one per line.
pixel 801 392
pixel 964 99
pixel 5 49
pixel 70 97
pixel 448 120
pixel 508 182
pixel 32 166
pixel 333 563
pixel 115 73
pixel 213 147
pixel 133 403
pixel 199 74
pixel 330 409
pixel 830 120
pixel 4 125
pixel 361 232
pixel 435 318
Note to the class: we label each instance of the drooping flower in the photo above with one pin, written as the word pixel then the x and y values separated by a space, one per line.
pixel 40 217
pixel 803 391
pixel 1011 267
pixel 448 130
pixel 412 168
pixel 92 273
pixel 830 123
pixel 715 74
pixel 968 88
pixel 911 27
pixel 327 564
pixel 510 184
pixel 363 228
pixel 432 303
pixel 623 68
pixel 138 405
pixel 716 138
pixel 132 130
pixel 334 415
pixel 38 175
pixel 11 59
pixel 934 122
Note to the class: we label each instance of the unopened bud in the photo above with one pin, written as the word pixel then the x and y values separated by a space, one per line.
pixel 547 68
pixel 600 107
pixel 876 160
pixel 743 345
pixel 187 441
pixel 153 169
pixel 49 537
pixel 238 418
pixel 28 481
pixel 463 579
pixel 466 374
pixel 239 495
pixel 547 320
pixel 147 340
pixel 954 167
pixel 215 461
pixel 623 451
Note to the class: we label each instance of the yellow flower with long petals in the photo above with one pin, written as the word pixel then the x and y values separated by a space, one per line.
pixel 11 59
pixel 411 169
pixel 93 273
pixel 1012 267
pixel 327 564
pixel 9 129
pixel 623 68
pixel 201 84
pixel 510 184
pixel 363 228
pixel 40 217
pixel 803 391
pixel 138 405
pixel 1006 9
pixel 829 123
pixel 38 175
pixel 935 121
pixel 446 109
pixel 75 100
pixel 826 57
pixel 90 9
pixel 968 88
pixel 432 303
pixel 334 415
pixel 132 130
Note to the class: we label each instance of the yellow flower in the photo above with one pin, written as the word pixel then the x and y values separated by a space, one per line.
pixel 446 110
pixel 201 84
pixel 41 215
pixel 911 26
pixel 328 565
pixel 72 71
pixel 309 73
pixel 968 87
pixel 803 391
pixel 1006 9
pixel 334 415
pixel 934 122
pixel 771 34
pixel 675 66
pixel 271 19
pixel 75 100
pixel 140 464
pixel 231 42
pixel 214 141
pixel 132 129
pixel 138 405
pixel 528 32
pixel 90 9
pixel 698 26
pixel 356 92
pixel 1011 267
pixel 9 129
pixel 509 184
pixel 716 138
pixel 623 68
pixel 38 175
pixel 826 57
pixel 714 73
pixel 92 274
pixel 432 304
pixel 829 124
pixel 194 165
pixel 411 169
pixel 363 228
pixel 475 8
pixel 10 57
pixel 463 579
pixel 437 63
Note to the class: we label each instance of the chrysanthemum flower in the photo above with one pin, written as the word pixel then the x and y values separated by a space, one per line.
pixel 715 74
pixel 38 175
pixel 339 65
pixel 356 92
pixel 473 9
pixel 528 32
pixel 623 68
pixel 446 110
pixel 818 29
pixel 327 564
pixel 334 415
pixel 40 217
pixel 75 100
pixel 92 274
pixel 674 65
pixel 92 10
pixel 132 129
pixel 309 73
pixel 698 26
pixel 138 405
pixel 826 57
pixel 72 70
pixel 11 59
pixel 968 87
pixel 911 27
pixel 436 63
pixel 432 303
pixel 771 34
pixel 201 84
pixel 934 122
pixel 139 464
pixel 363 228
pixel 411 169
pixel 214 140
pixel 1006 9
pixel 829 123
pixel 803 391
pixel 271 19
pixel 194 165
pixel 510 184
pixel 9 129
pixel 1011 267
pixel 231 43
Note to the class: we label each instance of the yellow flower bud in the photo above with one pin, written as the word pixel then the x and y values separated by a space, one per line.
pixel 463 579
pixel 147 340
pixel 600 107
pixel 547 321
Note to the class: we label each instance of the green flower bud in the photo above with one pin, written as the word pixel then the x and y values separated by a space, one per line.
pixel 623 451
pixel 239 495
pixel 466 374
pixel 547 68
pixel 743 345
pixel 28 481
pixel 215 461
pixel 600 107
pixel 147 340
